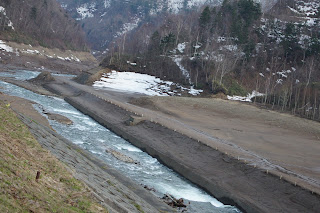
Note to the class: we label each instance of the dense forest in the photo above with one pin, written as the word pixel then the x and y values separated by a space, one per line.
pixel 233 49
pixel 40 22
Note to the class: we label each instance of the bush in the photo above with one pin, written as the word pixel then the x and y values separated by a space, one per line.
pixel 236 89
pixel 218 88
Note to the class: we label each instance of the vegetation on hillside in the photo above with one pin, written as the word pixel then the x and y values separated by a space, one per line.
pixel 105 20
pixel 234 48
pixel 40 22
pixel 21 157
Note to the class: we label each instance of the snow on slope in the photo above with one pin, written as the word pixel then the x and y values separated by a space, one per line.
pixel 308 9
pixel 267 4
pixel 5 47
pixel 247 98
pixel 9 22
pixel 128 27
pixel 141 83
pixel 176 6
pixel 107 3
pixel 86 10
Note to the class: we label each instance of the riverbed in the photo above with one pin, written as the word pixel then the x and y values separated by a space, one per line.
pixel 95 138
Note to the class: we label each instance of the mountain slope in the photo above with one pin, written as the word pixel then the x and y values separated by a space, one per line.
pixel 40 22
pixel 106 20
pixel 234 48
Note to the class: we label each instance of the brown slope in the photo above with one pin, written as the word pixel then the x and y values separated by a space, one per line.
pixel 40 22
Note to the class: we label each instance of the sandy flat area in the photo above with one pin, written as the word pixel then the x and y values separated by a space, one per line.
pixel 182 146
pixel 283 144
pixel 271 140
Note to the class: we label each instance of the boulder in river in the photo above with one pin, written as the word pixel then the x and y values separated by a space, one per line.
pixel 121 156
pixel 59 118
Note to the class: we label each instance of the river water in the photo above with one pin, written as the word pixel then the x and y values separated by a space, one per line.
pixel 89 135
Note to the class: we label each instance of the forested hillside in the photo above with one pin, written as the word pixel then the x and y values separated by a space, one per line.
pixel 233 48
pixel 106 20
pixel 40 22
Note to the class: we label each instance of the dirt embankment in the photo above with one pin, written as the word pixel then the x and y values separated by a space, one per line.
pixel 22 159
pixel 90 76
pixel 41 58
pixel 286 145
pixel 25 107
pixel 227 178
pixel 108 187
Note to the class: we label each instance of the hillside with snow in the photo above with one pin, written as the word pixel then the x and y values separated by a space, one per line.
pixel 106 20
pixel 234 48
pixel 39 22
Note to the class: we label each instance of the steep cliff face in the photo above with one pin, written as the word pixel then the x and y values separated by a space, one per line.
pixel 40 22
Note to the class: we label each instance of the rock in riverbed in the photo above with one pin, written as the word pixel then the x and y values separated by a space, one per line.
pixel 121 156
pixel 173 202
pixel 59 118
pixel 149 188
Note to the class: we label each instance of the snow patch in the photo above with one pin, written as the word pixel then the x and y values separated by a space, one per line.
pixel 5 47
pixel 175 5
pixel 247 98
pixel 184 72
pixel 196 3
pixel 6 19
pixel 86 11
pixel 181 47
pixel 28 51
pixel 128 27
pixel 141 83
pixel 107 3
pixel 64 6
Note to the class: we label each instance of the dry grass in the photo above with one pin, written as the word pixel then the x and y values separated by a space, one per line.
pixel 21 156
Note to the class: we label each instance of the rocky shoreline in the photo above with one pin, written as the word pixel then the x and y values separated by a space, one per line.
pixel 228 179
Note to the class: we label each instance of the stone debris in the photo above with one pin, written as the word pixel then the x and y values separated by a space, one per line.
pixel 121 156
pixel 148 188
pixel 59 118
pixel 173 202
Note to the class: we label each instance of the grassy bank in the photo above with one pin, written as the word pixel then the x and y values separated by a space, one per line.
pixel 21 157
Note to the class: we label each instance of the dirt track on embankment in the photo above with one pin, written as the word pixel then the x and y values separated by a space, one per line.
pixel 225 176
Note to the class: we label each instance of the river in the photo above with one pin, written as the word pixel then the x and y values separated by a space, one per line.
pixel 89 135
